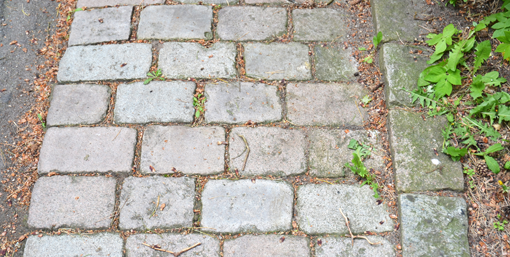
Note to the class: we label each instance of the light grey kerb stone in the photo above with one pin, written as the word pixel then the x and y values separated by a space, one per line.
pixel 159 101
pixel 246 206
pixel 267 246
pixel 318 24
pixel 78 104
pixel 277 61
pixel 343 247
pixel 176 22
pixel 318 210
pixel 97 149
pixel 105 62
pixel 102 244
pixel 101 25
pixel 209 246
pixel 102 3
pixel 64 201
pixel 237 103
pixel 140 207
pixel 397 20
pixel 241 23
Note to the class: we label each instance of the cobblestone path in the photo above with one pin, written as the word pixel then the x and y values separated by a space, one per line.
pixel 273 111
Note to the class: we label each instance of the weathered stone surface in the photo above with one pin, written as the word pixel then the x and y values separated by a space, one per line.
pixel 401 70
pixel 101 25
pixel 209 246
pixel 176 22
pixel 266 246
pixel 223 2
pixel 318 209
pixel 102 244
pixel 433 225
pixel 414 143
pixel 333 63
pixel 105 62
pixel 191 60
pixel 273 151
pixel 159 101
pixel 78 104
pixel 64 201
pixel 334 106
pixel 237 103
pixel 102 3
pixel 318 24
pixel 328 151
pixel 342 247
pixel 246 206
pixel 139 198
pixel 277 61
pixel 287 2
pixel 97 149
pixel 241 23
pixel 188 150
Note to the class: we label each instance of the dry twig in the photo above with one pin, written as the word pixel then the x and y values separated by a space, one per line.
pixel 176 254
pixel 246 149
pixel 350 232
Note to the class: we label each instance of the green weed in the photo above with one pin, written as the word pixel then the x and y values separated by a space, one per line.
pixel 43 124
pixel 154 75
pixel 358 168
pixel 199 103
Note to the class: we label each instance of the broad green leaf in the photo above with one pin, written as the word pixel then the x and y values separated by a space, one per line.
pixel 507 165
pixel 449 31
pixel 453 151
pixel 449 117
pixel 469 45
pixel 434 38
pixel 455 56
pixel 492 79
pixel 483 52
pixel 502 97
pixel 377 39
pixel 505 38
pixel 197 114
pixel 435 74
pixel 443 88
pixel 147 81
pixel 454 78
pixel 492 164
pixel 435 57
pixel 504 113
pixel 489 131
pixel 353 144
pixel 502 24
pixel 480 27
pixel 494 148
pixel 505 50
pixel 477 87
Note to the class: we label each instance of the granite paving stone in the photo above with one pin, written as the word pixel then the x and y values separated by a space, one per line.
pixel 140 196
pixel 101 25
pixel 97 149
pixel 334 63
pixel 223 2
pixel 65 201
pixel 336 105
pixel 419 164
pixel 102 3
pixel 159 101
pixel 238 103
pixel 318 209
pixel 181 60
pixel 179 148
pixel 78 104
pixel 102 244
pixel 242 23
pixel 246 206
pixel 433 225
pixel 343 247
pixel 266 246
pixel 209 246
pixel 318 24
pixel 329 152
pixel 105 62
pixel 273 151
pixel 176 22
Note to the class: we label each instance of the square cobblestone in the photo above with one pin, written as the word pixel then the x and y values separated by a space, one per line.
pixel 242 23
pixel 159 101
pixel 246 206
pixel 102 244
pixel 209 246
pixel 343 247
pixel 267 246
pixel 319 24
pixel 178 148
pixel 157 202
pixel 65 201
pixel 102 3
pixel 273 151
pixel 333 63
pixel 78 104
pixel 238 103
pixel 396 19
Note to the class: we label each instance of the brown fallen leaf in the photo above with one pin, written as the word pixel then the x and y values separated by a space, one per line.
pixel 52 174
pixel 122 65
pixel 162 207
pixel 393 216
pixel 100 20
pixel 13 42
pixel 152 168
pixel 282 239
pixel 2 90
pixel 429 2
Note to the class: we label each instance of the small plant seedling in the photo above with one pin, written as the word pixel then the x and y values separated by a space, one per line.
pixel 470 173
pixel 507 165
pixel 357 166
pixel 362 149
pixel 199 102
pixel 491 162
pixel 362 49
pixel 500 225
pixel 154 75
pixel 73 11
pixel 377 39
pixel 366 99
pixel 503 186
pixel 40 119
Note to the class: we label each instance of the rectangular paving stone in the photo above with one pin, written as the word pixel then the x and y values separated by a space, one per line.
pixel 396 19
pixel 242 23
pixel 238 103
pixel 78 104
pixel 319 24
pixel 433 225
pixel 102 244
pixel 414 143
pixel 329 152
pixel 97 149
pixel 65 201
pixel 209 246
pixel 223 2
pixel 333 63
pixel 277 61
pixel 102 3
pixel 178 148
pixel 158 101
pixel 266 246
pixel 182 60
pixel 101 25
pixel 139 199
pixel 176 22
pixel 246 206
pixel 343 247
pixel 336 105
pixel 318 209
pixel 273 151
pixel 105 62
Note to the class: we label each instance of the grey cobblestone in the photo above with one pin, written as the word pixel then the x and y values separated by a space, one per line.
pixel 102 3
pixel 227 2
pixel 65 201
pixel 333 63
pixel 343 247
pixel 318 24
pixel 102 244
pixel 241 23
pixel 209 246
pixel 396 19
pixel 266 246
